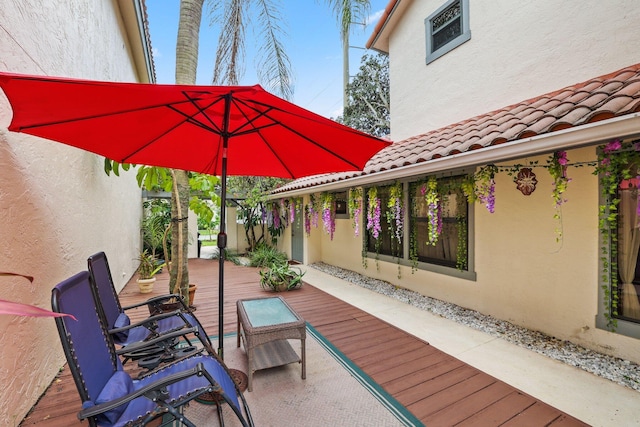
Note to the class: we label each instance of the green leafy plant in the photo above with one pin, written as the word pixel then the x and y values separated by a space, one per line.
pixel 265 256
pixel 355 208
pixel 149 265
pixel 557 165
pixel 617 161
pixel 280 276
pixel 157 218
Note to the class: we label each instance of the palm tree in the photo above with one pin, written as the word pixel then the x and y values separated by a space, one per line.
pixel 348 12
pixel 233 17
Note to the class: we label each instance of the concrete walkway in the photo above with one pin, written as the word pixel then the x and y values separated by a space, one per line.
pixel 590 398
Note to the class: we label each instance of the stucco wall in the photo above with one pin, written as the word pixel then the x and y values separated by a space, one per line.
pixel 57 206
pixel 518 50
pixel 524 275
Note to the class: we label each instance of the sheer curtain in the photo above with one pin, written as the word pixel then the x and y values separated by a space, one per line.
pixel 628 246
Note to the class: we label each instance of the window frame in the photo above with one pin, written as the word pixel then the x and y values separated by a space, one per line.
pixel 340 201
pixel 386 230
pixel 630 328
pixel 405 260
pixel 448 222
pixel 464 37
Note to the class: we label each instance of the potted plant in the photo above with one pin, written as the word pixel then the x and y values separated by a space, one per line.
pixel 280 276
pixel 147 271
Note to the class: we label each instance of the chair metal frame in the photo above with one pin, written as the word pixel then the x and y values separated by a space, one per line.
pixel 94 364
pixel 154 339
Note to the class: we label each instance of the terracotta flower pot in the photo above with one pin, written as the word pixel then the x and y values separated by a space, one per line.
pixel 192 293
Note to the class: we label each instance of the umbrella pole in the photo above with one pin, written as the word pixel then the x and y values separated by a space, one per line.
pixel 222 244
pixel 222 235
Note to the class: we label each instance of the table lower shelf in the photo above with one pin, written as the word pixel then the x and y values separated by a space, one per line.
pixel 273 353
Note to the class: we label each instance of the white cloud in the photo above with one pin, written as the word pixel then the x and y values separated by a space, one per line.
pixel 374 17
pixel 156 52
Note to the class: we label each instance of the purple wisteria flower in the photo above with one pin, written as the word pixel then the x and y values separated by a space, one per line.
pixel 487 195
pixel 373 218
pixel 432 199
pixel 637 196
pixel 377 228
pixel 328 222
pixel 313 215
pixel 307 222
pixel 613 146
pixel 276 216
pixel 399 218
pixel 292 211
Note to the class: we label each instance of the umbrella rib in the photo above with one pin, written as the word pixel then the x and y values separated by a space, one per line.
pixel 148 143
pixel 290 129
pixel 97 116
pixel 250 121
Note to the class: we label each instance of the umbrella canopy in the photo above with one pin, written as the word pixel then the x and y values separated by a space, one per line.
pixel 184 127
pixel 217 130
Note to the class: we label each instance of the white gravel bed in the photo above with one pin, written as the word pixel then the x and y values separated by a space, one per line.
pixel 623 372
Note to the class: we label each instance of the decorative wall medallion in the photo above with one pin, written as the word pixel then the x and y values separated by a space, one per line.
pixel 526 181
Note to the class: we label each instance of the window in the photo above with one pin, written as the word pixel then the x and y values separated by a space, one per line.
pixel 628 267
pixel 387 243
pixel 447 28
pixel 619 290
pixel 403 235
pixel 451 247
pixel 341 205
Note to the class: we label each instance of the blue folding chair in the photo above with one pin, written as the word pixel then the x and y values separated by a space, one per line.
pixel 147 341
pixel 110 396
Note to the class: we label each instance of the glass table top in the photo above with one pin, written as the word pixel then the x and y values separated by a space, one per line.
pixel 268 311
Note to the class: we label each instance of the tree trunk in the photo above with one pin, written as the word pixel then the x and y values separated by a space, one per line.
pixel 186 66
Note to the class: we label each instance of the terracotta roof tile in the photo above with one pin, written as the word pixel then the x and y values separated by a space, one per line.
pixel 601 98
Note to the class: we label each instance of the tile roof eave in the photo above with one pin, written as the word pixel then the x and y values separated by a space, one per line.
pixel 569 110
pixel 625 126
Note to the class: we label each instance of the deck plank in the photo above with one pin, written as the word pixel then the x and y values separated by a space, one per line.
pixel 438 388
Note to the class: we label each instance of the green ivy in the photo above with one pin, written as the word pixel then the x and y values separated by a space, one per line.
pixel 616 162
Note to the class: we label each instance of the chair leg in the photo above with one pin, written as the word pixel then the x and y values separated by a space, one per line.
pixel 220 416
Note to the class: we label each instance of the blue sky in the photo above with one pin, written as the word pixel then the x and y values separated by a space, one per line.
pixel 312 43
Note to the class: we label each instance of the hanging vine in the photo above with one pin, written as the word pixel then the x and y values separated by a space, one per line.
pixel 373 219
pixel 557 165
pixel 395 216
pixel 328 214
pixel 485 186
pixel 434 212
pixel 617 161
pixel 355 208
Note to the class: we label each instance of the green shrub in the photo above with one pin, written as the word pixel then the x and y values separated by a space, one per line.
pixel 266 256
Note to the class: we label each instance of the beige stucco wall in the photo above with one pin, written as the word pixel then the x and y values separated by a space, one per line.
pixel 57 206
pixel 523 274
pixel 518 50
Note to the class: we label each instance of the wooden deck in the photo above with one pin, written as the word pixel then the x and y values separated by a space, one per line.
pixel 437 388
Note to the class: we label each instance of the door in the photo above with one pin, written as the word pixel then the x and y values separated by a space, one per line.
pixel 297 236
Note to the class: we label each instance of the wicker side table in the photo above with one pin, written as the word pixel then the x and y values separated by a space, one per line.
pixel 264 326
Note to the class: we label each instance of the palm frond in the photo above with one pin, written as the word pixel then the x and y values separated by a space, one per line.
pixel 229 65
pixel 348 12
pixel 274 67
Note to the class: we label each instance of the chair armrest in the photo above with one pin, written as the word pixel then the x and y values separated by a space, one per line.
pixel 167 336
pixel 155 300
pixel 150 391
pixel 149 322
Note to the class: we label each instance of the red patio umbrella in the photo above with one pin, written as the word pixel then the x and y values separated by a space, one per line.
pixel 217 130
